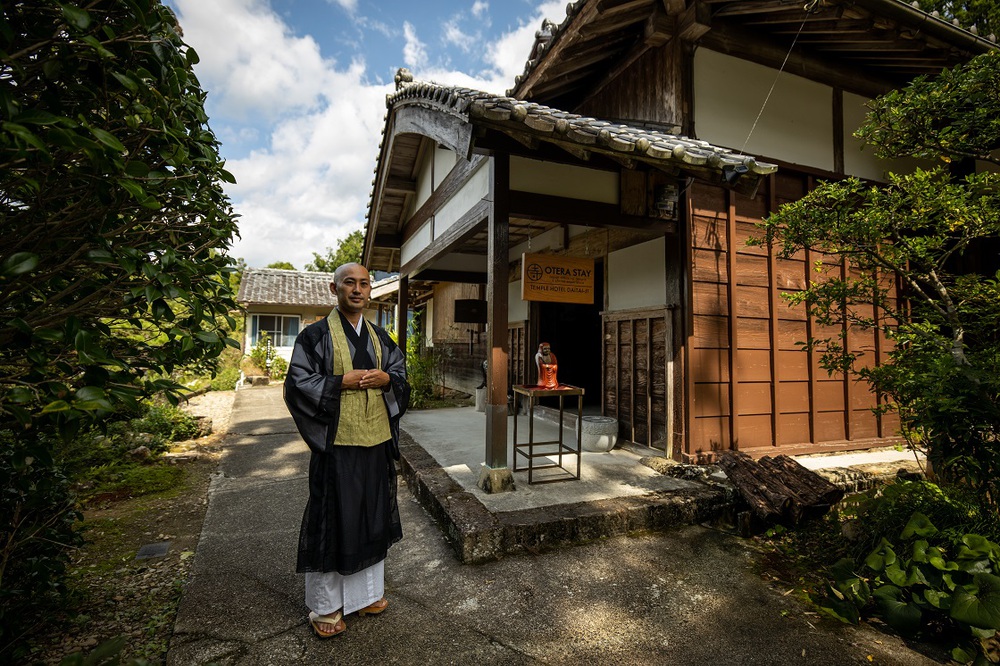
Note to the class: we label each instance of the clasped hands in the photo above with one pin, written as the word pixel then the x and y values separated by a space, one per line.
pixel 365 379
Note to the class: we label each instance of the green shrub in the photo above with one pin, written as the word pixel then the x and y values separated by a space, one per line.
pixel 38 530
pixel 888 509
pixel 226 379
pixel 166 422
pixel 421 368
pixel 925 582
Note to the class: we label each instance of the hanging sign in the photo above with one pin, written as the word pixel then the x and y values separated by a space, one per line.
pixel 557 279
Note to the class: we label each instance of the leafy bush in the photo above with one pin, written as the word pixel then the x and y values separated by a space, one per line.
pixel 100 463
pixel 166 422
pixel 928 582
pixel 38 531
pixel 887 510
pixel 421 368
pixel 225 380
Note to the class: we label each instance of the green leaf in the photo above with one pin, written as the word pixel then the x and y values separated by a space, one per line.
pixel 918 525
pixel 108 139
pixel 894 573
pixel 25 135
pixel 882 556
pixel 980 608
pixel 209 337
pixel 76 17
pixel 37 117
pixel 20 395
pixel 56 406
pixel 100 255
pixel 19 263
pixel 900 615
pixel 938 599
pixel 962 656
pixel 127 81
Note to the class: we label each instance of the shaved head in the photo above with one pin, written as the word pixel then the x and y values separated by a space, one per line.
pixel 344 269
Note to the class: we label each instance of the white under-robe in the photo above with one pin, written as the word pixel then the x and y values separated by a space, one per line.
pixel 327 593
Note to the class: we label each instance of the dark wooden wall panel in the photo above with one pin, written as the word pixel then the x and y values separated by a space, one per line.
pixel 635 374
pixel 517 353
pixel 745 345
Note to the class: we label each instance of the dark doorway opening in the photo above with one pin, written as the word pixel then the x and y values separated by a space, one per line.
pixel 574 331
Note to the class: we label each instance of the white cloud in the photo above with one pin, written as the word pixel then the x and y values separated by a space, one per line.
pixel 414 51
pixel 479 7
pixel 350 5
pixel 310 186
pixel 307 183
pixel 253 61
pixel 454 35
pixel 510 52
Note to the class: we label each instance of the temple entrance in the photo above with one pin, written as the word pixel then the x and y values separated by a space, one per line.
pixel 574 331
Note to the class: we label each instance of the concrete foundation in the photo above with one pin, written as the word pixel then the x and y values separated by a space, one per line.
pixel 499 480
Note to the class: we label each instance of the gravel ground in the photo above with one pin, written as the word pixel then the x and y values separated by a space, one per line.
pixel 216 405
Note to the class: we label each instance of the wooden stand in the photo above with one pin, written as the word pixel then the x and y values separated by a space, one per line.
pixel 527 449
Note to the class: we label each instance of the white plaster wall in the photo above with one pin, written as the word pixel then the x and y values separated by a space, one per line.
pixel 796 126
pixel 444 160
pixel 415 243
pixel 563 180
pixel 637 276
pixel 477 187
pixel 424 182
pixel 859 159
pixel 517 309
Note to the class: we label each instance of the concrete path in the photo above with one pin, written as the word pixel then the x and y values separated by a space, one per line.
pixel 688 596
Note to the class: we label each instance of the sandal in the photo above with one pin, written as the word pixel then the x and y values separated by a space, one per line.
pixel 315 619
pixel 375 608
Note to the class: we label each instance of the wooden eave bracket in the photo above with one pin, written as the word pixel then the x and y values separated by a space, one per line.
pixel 694 22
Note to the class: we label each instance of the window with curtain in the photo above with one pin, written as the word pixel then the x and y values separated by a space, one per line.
pixel 282 329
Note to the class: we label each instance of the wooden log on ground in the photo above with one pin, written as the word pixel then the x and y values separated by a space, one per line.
pixel 807 484
pixel 767 503
pixel 779 489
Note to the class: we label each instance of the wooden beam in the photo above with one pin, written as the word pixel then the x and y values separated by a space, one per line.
pixel 457 177
pixel 563 210
pixel 734 404
pixel 441 275
pixel 694 22
pixel 773 300
pixel 656 32
pixel 446 129
pixel 400 185
pixel 387 240
pixel 402 311
pixel 610 7
pixel 745 45
pixel 838 130
pixel 464 228
pixel 498 277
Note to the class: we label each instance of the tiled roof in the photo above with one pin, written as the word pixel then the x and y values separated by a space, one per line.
pixel 272 286
pixel 592 134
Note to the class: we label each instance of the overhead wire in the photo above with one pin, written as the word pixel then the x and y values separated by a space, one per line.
pixel 809 8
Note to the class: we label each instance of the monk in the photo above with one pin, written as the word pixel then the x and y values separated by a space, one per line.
pixel 346 389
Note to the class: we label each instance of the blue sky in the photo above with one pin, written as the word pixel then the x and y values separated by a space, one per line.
pixel 296 93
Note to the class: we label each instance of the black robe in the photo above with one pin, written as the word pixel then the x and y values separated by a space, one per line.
pixel 352 516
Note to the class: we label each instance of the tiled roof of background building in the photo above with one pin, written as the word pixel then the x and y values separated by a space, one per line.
pixel 261 286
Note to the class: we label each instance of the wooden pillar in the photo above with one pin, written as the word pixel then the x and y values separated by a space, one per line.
pixel 496 476
pixel 403 302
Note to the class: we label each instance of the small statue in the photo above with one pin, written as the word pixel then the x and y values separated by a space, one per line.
pixel 547 366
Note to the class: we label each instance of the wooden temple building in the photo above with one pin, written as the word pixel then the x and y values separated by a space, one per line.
pixel 647 138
